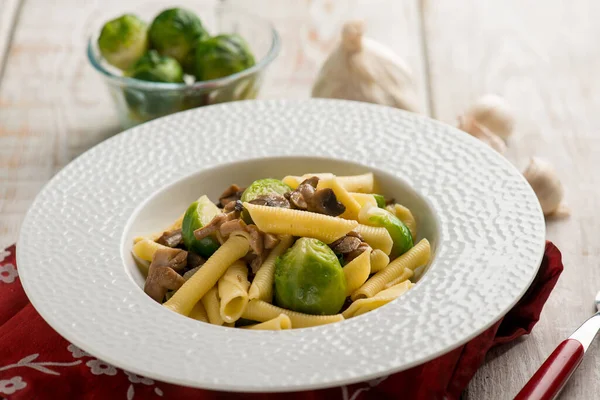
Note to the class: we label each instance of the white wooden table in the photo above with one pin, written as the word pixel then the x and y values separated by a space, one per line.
pixel 542 56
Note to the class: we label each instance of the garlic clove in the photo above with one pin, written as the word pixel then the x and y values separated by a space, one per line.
pixel 475 129
pixel 493 112
pixel 547 187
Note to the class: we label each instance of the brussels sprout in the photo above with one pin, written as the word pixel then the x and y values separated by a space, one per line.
pixel 199 213
pixel 221 56
pixel 380 200
pixel 400 234
pixel 310 279
pixel 175 32
pixel 262 187
pixel 156 68
pixel 123 40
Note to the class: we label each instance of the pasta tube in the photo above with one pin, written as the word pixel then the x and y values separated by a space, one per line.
pixel 146 248
pixel 406 216
pixel 354 183
pixel 233 291
pixel 192 290
pixel 406 274
pixel 278 323
pixel 379 260
pixel 342 195
pixel 364 199
pixel 199 312
pixel 211 303
pixel 357 272
pixel 283 221
pixel 262 285
pixel 413 258
pixel 385 296
pixel 376 237
pixel 258 310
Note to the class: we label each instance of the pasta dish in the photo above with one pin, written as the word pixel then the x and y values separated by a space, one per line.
pixel 280 254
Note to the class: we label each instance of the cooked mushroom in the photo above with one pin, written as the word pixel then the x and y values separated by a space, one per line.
pixel 194 260
pixel 215 224
pixel 364 246
pixel 256 239
pixel 389 201
pixel 170 238
pixel 234 206
pixel 231 226
pixel 345 245
pixel 355 234
pixel 257 262
pixel 162 275
pixel 325 202
pixel 232 193
pixel 271 200
pixel 270 240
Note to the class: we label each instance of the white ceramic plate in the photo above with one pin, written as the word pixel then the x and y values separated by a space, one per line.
pixel 482 218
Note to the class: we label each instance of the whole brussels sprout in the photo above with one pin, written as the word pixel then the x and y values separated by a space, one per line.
pixel 123 40
pixel 156 68
pixel 221 56
pixel 310 279
pixel 175 32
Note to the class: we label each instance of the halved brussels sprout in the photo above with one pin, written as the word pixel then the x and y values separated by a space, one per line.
pixel 399 232
pixel 262 187
pixel 175 32
pixel 220 56
pixel 310 279
pixel 380 200
pixel 199 214
pixel 123 40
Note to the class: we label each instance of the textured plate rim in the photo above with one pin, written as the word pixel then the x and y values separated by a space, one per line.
pixel 38 301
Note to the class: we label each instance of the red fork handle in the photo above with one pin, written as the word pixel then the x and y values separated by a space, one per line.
pixel 550 378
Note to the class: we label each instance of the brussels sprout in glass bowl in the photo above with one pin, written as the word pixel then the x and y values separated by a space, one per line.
pixel 161 59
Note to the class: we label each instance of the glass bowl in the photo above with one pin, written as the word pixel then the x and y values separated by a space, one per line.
pixel 139 101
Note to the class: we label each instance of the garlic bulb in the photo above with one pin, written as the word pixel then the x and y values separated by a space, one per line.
pixel 546 185
pixel 474 128
pixel 362 69
pixel 494 113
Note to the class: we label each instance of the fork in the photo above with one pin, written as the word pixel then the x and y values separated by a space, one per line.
pixel 551 377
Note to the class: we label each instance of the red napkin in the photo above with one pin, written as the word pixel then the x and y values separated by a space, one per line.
pixel 37 363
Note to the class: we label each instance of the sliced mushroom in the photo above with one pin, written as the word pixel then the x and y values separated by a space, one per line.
pixel 389 200
pixel 270 240
pixel 232 193
pixel 271 200
pixel 256 239
pixel 161 274
pixel 257 262
pixel 345 245
pixel 214 225
pixel 170 238
pixel 364 246
pixel 297 200
pixel 234 206
pixel 194 260
pixel 325 202
pixel 231 226
pixel 355 234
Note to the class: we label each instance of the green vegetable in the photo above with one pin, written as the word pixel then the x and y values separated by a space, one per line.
pixel 398 231
pixel 310 279
pixel 175 32
pixel 199 214
pixel 259 188
pixel 380 200
pixel 123 40
pixel 156 68
pixel 221 56
pixel 265 186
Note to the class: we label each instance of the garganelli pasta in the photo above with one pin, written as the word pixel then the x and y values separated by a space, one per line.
pixel 233 291
pixel 303 251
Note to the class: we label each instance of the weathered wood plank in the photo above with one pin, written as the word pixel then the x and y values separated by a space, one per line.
pixel 543 58
pixel 9 10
